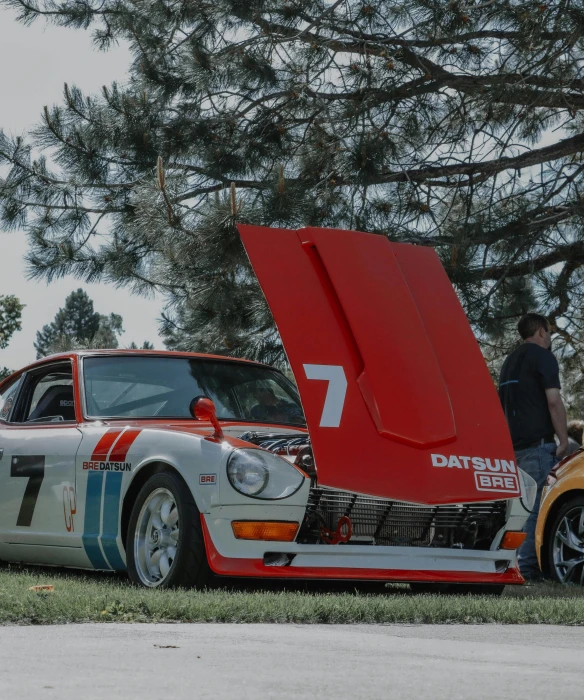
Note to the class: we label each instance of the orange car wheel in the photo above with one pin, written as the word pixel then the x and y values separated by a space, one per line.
pixel 564 545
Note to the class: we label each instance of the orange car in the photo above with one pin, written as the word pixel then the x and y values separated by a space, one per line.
pixel 559 536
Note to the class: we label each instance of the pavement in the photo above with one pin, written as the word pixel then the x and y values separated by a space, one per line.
pixel 259 662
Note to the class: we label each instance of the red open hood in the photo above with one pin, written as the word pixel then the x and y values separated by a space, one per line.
pixel 397 396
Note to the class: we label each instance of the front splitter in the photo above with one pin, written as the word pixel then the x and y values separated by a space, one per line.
pixel 255 568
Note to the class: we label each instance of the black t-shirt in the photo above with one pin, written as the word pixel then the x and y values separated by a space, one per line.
pixel 526 374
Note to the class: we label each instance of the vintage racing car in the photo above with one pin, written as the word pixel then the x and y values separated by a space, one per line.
pixel 392 463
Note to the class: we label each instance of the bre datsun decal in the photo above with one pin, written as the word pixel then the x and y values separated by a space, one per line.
pixel 490 474
pixel 207 479
pixel 108 466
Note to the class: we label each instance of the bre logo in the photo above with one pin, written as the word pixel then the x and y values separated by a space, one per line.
pixel 491 482
pixel 207 479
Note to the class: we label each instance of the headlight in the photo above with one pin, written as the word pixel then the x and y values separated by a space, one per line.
pixel 261 474
pixel 528 490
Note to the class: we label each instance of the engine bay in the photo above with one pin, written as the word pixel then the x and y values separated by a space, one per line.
pixel 335 517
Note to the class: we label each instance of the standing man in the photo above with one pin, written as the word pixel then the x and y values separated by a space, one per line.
pixel 529 389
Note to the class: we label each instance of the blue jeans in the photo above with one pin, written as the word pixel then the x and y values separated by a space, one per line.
pixel 537 462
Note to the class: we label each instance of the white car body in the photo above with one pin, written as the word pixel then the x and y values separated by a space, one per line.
pixel 84 501
pixel 67 488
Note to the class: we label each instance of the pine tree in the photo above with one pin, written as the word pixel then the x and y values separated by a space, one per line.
pixel 110 327
pixel 78 325
pixel 146 345
pixel 10 318
pixel 457 125
pixel 10 323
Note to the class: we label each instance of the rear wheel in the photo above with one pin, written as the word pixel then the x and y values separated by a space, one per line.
pixel 165 546
pixel 458 588
pixel 565 543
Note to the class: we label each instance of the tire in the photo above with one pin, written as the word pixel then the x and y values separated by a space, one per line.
pixel 566 529
pixel 491 589
pixel 165 546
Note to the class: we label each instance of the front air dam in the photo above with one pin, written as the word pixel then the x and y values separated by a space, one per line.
pixel 448 573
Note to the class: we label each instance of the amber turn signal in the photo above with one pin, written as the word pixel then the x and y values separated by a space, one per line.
pixel 264 530
pixel 513 540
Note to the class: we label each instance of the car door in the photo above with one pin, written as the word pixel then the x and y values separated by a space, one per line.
pixel 40 440
pixel 8 395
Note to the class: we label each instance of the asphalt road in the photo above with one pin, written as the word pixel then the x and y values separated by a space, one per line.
pixel 83 662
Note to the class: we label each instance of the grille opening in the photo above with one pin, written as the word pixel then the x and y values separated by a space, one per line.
pixel 382 522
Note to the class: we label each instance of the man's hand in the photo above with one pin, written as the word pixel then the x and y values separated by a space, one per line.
pixel 561 450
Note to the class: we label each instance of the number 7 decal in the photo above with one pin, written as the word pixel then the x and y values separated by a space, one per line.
pixel 34 468
pixel 335 393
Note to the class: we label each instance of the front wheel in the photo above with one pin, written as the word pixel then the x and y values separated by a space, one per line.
pixel 165 546
pixel 565 543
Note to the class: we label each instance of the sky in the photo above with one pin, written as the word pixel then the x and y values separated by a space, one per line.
pixel 34 63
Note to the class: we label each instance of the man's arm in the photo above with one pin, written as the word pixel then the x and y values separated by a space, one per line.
pixel 559 419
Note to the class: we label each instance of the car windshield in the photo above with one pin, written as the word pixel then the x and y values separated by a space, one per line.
pixel 163 387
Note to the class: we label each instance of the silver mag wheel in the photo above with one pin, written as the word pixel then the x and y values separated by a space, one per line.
pixel 567 548
pixel 156 537
pixel 165 546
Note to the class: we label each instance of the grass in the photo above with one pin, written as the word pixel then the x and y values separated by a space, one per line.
pixel 82 597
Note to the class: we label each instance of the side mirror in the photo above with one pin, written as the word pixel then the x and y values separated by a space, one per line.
pixel 202 408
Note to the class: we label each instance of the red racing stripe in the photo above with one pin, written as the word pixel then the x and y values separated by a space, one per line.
pixel 104 444
pixel 123 444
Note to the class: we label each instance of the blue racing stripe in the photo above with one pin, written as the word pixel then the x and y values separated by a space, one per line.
pixel 111 517
pixel 91 525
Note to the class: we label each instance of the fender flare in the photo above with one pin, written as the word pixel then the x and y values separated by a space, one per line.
pixel 145 471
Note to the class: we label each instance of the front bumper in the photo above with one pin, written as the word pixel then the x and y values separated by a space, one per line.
pixel 230 557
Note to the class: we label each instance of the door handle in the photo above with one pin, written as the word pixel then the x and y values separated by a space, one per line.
pixel 1 452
